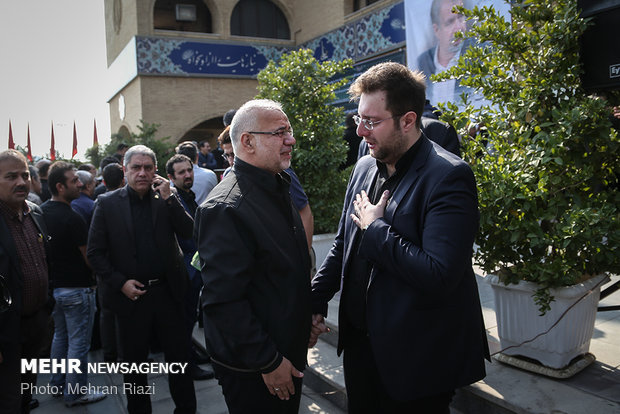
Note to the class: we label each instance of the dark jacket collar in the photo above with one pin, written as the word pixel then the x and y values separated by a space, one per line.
pixel 264 179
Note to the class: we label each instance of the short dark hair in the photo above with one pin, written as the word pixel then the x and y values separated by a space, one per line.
pixel 57 175
pixel 203 143
pixel 189 149
pixel 34 172
pixel 228 116
pixel 404 88
pixel 121 146
pixel 113 176
pixel 175 159
pixel 86 167
pixel 107 161
pixel 12 154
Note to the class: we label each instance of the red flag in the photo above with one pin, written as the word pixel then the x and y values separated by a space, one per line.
pixel 74 141
pixel 29 155
pixel 52 148
pixel 95 140
pixel 11 142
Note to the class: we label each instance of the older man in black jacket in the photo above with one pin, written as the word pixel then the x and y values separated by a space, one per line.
pixel 132 247
pixel 256 269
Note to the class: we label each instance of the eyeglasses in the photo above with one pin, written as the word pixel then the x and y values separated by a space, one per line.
pixel 280 133
pixel 228 156
pixel 368 124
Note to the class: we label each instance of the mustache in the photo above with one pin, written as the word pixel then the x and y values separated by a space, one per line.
pixel 20 188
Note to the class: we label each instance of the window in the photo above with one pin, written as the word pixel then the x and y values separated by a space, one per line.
pixel 178 15
pixel 259 18
pixel 360 4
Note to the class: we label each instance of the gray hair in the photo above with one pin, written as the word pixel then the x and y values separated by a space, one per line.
pixel 139 150
pixel 85 177
pixel 246 118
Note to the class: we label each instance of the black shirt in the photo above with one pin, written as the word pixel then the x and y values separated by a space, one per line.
pixel 188 199
pixel 67 231
pixel 149 258
pixel 358 276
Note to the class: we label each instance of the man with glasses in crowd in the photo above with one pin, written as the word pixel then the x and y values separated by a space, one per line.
pixel 256 269
pixel 403 257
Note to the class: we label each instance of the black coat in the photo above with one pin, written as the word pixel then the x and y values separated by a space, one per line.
pixel 112 251
pixel 424 318
pixel 256 272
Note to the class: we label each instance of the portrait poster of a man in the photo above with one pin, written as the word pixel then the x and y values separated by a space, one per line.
pixel 432 46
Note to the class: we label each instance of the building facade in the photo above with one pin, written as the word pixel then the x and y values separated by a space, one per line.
pixel 184 63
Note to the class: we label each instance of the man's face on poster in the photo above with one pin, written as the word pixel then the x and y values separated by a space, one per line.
pixel 449 24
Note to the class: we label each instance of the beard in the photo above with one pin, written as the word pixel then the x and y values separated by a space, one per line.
pixel 391 150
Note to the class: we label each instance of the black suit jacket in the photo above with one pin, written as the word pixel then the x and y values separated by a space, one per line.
pixel 11 270
pixel 423 310
pixel 112 251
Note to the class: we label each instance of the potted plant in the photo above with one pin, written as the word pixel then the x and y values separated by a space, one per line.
pixel 545 160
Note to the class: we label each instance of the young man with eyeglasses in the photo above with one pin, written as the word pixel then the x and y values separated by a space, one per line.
pixel 410 321
pixel 256 269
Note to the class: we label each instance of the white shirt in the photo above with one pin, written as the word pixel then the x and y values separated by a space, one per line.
pixel 204 181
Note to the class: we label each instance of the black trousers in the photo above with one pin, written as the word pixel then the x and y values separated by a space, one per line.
pixel 157 312
pixel 367 394
pixel 31 342
pixel 247 393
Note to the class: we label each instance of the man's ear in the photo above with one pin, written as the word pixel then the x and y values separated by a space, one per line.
pixel 408 121
pixel 247 142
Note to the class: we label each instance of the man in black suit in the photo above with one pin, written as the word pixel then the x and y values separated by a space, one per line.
pixel 24 326
pixel 410 321
pixel 132 247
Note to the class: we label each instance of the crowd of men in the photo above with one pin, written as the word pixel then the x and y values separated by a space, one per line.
pixel 401 259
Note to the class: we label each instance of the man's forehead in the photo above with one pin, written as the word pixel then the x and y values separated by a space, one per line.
pixel 183 165
pixel 141 159
pixel 13 165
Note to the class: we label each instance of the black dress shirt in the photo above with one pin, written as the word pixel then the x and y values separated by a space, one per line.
pixel 358 276
pixel 150 259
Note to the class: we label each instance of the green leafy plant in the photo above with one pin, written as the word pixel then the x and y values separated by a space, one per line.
pixel 546 156
pixel 305 88
pixel 161 146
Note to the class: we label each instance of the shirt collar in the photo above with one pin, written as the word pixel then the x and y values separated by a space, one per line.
pixel 262 178
pixel 13 214
pixel 405 161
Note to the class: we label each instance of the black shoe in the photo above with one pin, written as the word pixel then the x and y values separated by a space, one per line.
pixel 32 404
pixel 199 374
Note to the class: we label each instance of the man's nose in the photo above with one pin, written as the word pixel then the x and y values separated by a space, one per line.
pixel 361 130
pixel 290 140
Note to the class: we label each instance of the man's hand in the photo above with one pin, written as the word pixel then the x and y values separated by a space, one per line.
pixel 162 185
pixel 318 328
pixel 132 290
pixel 280 381
pixel 365 211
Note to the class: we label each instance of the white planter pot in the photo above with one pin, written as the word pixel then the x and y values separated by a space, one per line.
pixel 518 320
